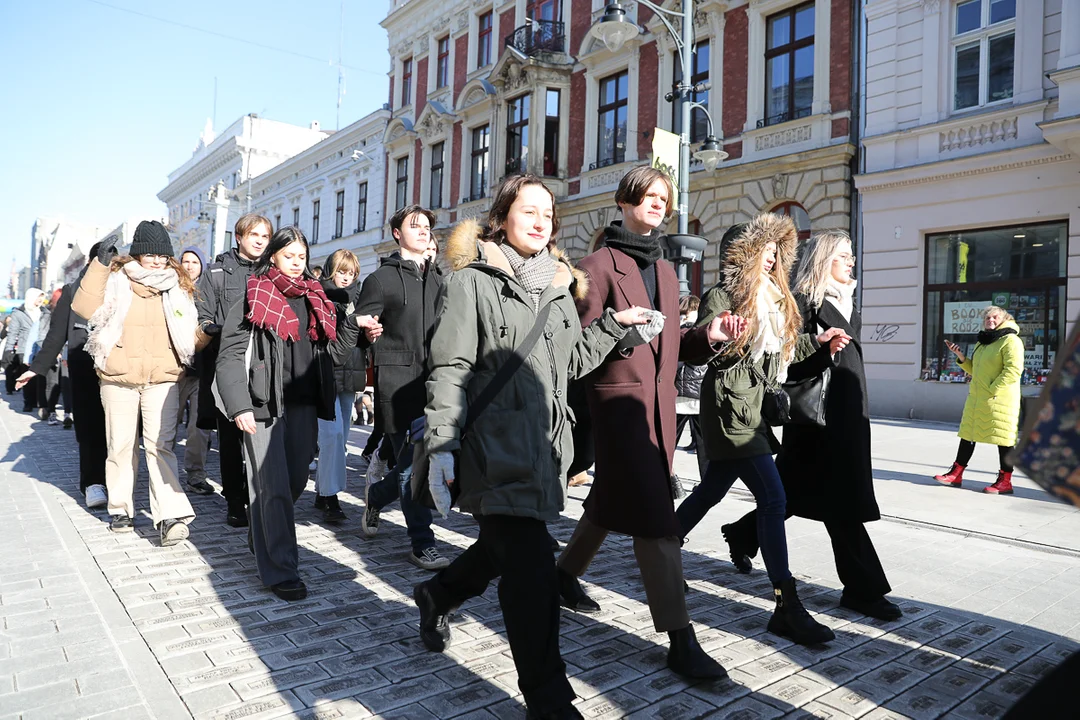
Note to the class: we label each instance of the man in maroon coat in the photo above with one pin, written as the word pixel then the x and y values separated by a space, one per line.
pixel 632 402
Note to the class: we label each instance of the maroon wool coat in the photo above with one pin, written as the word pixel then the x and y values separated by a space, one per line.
pixel 632 400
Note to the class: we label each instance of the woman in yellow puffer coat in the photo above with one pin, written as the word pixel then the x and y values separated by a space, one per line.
pixel 992 410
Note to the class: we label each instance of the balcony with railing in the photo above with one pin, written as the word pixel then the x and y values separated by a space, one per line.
pixel 538 36
pixel 784 117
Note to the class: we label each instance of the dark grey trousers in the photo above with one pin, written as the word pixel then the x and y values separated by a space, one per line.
pixel 277 458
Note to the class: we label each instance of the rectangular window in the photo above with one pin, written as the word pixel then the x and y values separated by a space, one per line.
pixel 296 217
pixel 401 190
pixel 437 161
pixel 277 221
pixel 611 128
pixel 483 41
pixel 1021 269
pixel 517 135
pixel 699 74
pixel 789 65
pixel 984 50
pixel 442 64
pixel 479 169
pixel 406 81
pixel 361 207
pixel 551 134
pixel 315 222
pixel 339 214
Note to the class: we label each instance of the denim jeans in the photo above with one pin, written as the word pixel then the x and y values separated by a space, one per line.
pixel 333 435
pixel 760 476
pixel 396 485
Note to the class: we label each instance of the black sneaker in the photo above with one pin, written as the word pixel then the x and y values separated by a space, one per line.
pixel 320 502
pixel 121 523
pixel 237 517
pixel 428 559
pixel 172 532
pixel 69 422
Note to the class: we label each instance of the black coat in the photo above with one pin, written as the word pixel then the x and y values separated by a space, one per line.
pixel 221 286
pixel 351 375
pixel 827 472
pixel 405 299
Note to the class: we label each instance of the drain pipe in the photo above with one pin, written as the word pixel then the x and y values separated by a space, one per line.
pixel 858 127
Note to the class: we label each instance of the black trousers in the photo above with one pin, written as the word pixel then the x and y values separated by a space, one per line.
pixel 967 449
pixel 695 437
pixel 89 419
pixel 11 373
pixel 517 551
pixel 234 480
pixel 34 392
pixel 857 562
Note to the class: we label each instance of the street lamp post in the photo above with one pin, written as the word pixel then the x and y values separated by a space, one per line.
pixel 613 29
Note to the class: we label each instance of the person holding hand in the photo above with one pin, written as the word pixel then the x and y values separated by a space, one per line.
pixel 738 441
pixel 274 381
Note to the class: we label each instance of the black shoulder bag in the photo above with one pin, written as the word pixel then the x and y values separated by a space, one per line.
pixel 775 403
pixel 421 492
pixel 810 396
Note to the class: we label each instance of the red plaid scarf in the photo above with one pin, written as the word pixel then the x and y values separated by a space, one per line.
pixel 269 309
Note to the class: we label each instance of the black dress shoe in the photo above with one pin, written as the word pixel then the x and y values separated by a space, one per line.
pixel 237 519
pixel 686 657
pixel 573 597
pixel 290 590
pixel 880 609
pixel 434 622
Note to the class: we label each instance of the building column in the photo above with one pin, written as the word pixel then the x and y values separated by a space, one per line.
pixel 1069 56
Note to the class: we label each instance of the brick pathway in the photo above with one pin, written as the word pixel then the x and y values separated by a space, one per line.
pixel 103 624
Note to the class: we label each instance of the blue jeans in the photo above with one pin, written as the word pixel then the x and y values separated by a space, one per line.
pixel 396 486
pixel 760 476
pixel 333 435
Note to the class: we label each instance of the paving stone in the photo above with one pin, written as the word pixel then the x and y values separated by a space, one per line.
pixel 391 697
pixel 614 704
pixel 252 648
pixel 748 708
pixel 302 655
pixel 280 680
pixel 923 703
pixel 338 687
pixel 459 701
pixel 718 692
pixel 263 708
pixel 595 681
pixel 981 707
pixel 858 697
pixel 792 691
pixel 1008 688
pixel 351 662
pixel 955 682
pixel 818 711
pixel 679 707
pixel 484 668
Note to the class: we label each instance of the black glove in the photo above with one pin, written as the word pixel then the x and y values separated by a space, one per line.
pixel 106 253
pixel 211 329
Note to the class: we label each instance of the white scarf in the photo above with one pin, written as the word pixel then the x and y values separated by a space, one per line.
pixel 31 307
pixel 841 295
pixel 107 324
pixel 770 332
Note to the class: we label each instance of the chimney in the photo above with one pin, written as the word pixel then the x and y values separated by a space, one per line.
pixel 314 124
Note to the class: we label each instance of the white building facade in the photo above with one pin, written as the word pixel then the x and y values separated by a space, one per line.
pixel 55 245
pixel 968 191
pixel 208 193
pixel 333 191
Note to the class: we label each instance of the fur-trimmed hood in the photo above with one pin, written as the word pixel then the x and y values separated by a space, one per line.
pixel 465 247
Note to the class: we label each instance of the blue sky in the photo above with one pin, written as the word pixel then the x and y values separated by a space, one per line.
pixel 99 104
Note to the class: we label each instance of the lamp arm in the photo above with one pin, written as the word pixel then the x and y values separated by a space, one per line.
pixel 660 13
pixel 708 116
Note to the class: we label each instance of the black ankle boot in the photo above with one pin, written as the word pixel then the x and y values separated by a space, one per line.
pixel 740 551
pixel 320 502
pixel 573 597
pixel 434 621
pixel 332 512
pixel 791 620
pixel 686 657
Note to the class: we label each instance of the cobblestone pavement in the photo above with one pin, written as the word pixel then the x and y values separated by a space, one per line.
pixel 97 624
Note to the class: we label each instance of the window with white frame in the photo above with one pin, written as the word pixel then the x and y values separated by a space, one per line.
pixel 478 170
pixel 699 75
pixel 339 214
pixel 612 120
pixel 984 45
pixel 401 183
pixel 436 180
pixel 315 221
pixel 361 207
pixel 789 64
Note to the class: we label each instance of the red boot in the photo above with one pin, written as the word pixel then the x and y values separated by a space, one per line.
pixel 1003 486
pixel 953 478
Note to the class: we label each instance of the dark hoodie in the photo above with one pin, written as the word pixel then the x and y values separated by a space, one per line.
pixel 351 376
pixel 405 299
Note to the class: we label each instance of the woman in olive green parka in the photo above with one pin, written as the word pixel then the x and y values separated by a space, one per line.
pixel 992 409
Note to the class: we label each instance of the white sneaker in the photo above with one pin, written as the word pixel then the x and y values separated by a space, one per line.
pixel 96 497
pixel 376 470
pixel 429 559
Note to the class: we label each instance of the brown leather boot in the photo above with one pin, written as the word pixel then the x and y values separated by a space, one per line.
pixel 953 478
pixel 1003 486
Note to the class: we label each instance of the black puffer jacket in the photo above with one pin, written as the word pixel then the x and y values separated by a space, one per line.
pixel 688 380
pixel 350 376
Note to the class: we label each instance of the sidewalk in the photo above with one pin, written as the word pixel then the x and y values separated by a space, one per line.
pixel 96 624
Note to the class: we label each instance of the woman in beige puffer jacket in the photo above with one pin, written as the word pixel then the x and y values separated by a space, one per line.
pixel 144 330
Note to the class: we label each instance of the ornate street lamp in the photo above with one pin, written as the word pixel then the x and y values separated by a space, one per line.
pixel 614 30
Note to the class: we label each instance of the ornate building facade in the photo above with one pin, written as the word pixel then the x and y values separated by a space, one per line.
pixel 483 88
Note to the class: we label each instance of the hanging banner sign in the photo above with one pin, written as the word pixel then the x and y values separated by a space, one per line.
pixel 665 151
pixel 964 318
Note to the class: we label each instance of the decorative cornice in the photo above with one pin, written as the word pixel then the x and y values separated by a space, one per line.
pixel 868 185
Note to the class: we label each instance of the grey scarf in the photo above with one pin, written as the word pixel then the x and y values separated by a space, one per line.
pixel 535 273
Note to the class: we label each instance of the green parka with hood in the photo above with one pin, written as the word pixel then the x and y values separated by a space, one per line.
pixel 514 459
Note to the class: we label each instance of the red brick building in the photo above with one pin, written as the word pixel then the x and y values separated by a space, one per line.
pixel 482 88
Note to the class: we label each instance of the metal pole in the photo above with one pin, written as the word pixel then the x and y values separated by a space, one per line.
pixel 684 141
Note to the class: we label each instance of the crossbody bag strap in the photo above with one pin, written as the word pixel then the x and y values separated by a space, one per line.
pixel 511 366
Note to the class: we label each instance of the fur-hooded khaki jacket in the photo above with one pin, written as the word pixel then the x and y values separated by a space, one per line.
pixel 732 391
pixel 513 460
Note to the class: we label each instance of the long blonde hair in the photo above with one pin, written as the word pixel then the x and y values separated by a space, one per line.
pixel 815 265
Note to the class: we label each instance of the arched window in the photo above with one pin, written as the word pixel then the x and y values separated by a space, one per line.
pixel 799 216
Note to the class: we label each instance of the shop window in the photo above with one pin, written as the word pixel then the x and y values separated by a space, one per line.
pixel 798 215
pixel 789 65
pixel 1021 269
pixel 984 44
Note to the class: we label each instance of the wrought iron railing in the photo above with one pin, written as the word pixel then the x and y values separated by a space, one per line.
pixel 537 36
pixel 604 162
pixel 783 117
